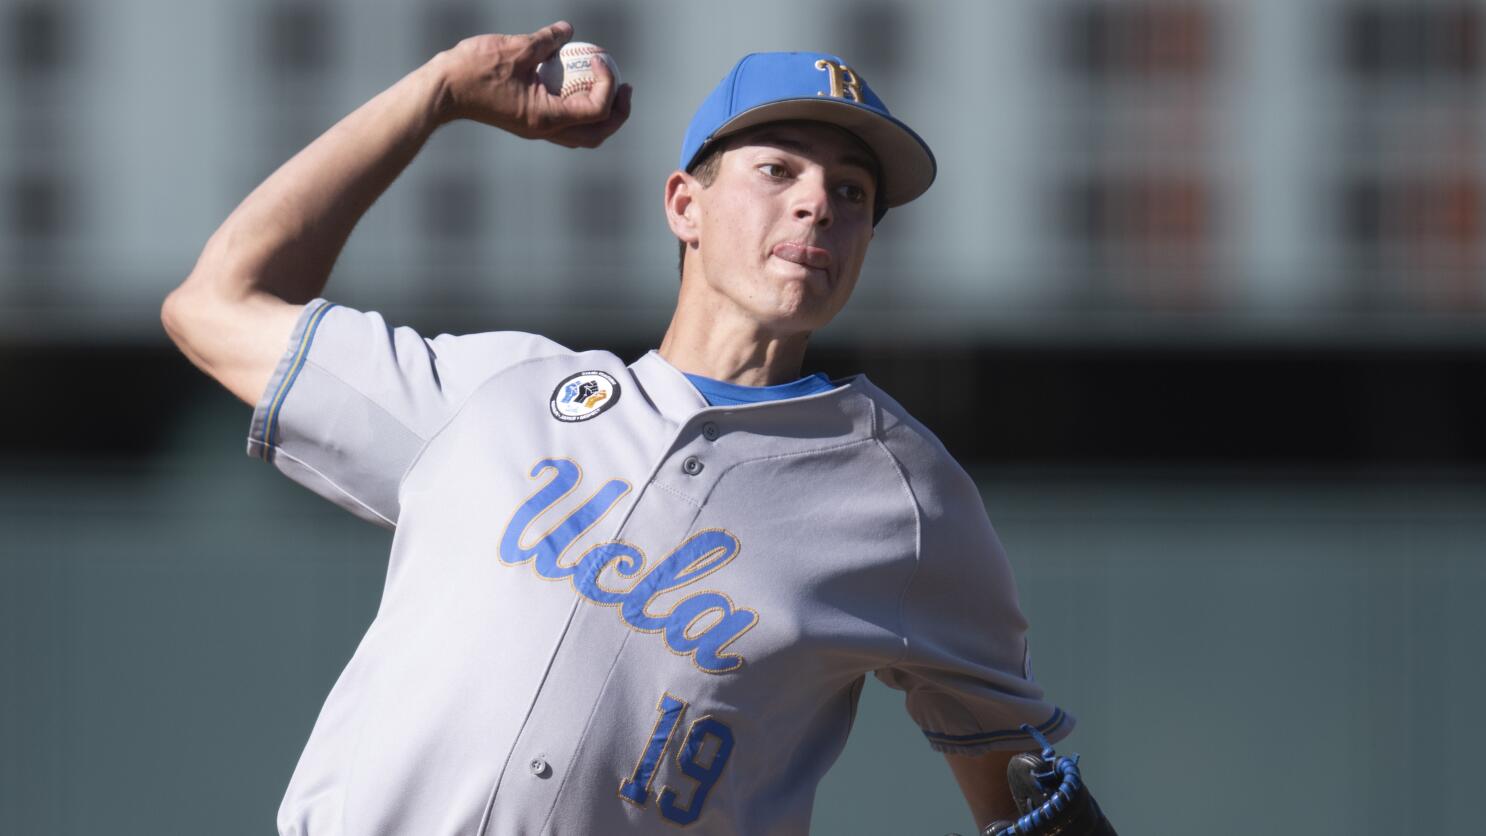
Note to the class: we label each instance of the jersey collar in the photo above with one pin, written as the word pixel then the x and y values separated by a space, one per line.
pixel 667 388
pixel 676 399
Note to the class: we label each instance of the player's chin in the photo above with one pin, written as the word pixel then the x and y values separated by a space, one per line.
pixel 815 281
pixel 796 309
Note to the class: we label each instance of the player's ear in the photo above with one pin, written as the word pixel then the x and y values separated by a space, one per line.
pixel 681 207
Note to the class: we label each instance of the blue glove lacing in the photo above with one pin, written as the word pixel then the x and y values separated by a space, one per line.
pixel 1069 784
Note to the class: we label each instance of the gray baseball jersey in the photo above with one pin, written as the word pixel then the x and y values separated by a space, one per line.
pixel 610 608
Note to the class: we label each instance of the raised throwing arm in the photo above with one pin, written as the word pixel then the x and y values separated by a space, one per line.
pixel 233 314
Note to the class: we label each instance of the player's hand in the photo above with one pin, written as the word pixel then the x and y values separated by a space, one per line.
pixel 493 79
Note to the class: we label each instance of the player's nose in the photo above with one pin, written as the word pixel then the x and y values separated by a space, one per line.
pixel 812 201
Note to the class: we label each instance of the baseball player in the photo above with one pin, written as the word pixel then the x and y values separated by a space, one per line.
pixel 621 597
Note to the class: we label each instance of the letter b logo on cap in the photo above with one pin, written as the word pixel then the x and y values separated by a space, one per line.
pixel 844 80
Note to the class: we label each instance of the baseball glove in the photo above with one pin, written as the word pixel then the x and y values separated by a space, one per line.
pixel 1051 796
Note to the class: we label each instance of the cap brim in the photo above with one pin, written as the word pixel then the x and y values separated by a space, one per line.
pixel 908 166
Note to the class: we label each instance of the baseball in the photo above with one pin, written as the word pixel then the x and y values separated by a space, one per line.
pixel 571 70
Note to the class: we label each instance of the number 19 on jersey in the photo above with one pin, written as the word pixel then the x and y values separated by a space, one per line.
pixel 636 788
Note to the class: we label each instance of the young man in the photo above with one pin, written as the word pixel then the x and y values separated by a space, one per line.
pixel 621 597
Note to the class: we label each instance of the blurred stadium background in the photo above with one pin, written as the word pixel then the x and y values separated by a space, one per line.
pixel 1199 296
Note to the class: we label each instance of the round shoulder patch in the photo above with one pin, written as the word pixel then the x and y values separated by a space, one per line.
pixel 584 395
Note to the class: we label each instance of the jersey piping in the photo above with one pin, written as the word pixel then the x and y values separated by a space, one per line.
pixel 270 438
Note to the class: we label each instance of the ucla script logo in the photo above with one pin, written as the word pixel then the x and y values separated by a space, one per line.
pixel 701 625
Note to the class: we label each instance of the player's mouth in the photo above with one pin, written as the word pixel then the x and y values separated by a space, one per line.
pixel 803 254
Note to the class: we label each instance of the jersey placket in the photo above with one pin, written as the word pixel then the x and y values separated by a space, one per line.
pixel 548 748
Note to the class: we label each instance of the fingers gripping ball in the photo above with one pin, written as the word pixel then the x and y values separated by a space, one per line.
pixel 571 70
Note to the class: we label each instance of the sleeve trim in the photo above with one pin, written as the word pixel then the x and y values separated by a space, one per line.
pixel 1049 727
pixel 287 382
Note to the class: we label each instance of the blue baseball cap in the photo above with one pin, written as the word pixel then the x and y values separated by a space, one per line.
pixel 778 86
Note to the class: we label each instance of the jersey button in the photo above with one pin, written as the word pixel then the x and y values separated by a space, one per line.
pixel 692 466
pixel 539 768
pixel 710 431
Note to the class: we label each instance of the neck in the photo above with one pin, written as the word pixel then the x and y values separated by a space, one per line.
pixel 713 340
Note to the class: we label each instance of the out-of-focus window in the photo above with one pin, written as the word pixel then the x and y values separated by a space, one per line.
pixel 446 23
pixel 1138 204
pixel 1438 41
pixel 877 34
pixel 1117 42
pixel 36 39
pixel 297 37
pixel 1410 205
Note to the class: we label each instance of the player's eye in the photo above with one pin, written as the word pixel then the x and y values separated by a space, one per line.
pixel 853 193
pixel 775 170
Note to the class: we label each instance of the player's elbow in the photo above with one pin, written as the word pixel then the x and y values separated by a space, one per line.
pixel 180 308
pixel 194 312
pixel 170 316
pixel 194 321
pixel 235 340
pixel 182 318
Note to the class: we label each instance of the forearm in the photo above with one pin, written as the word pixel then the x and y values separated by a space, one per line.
pixel 284 238
pixel 982 780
